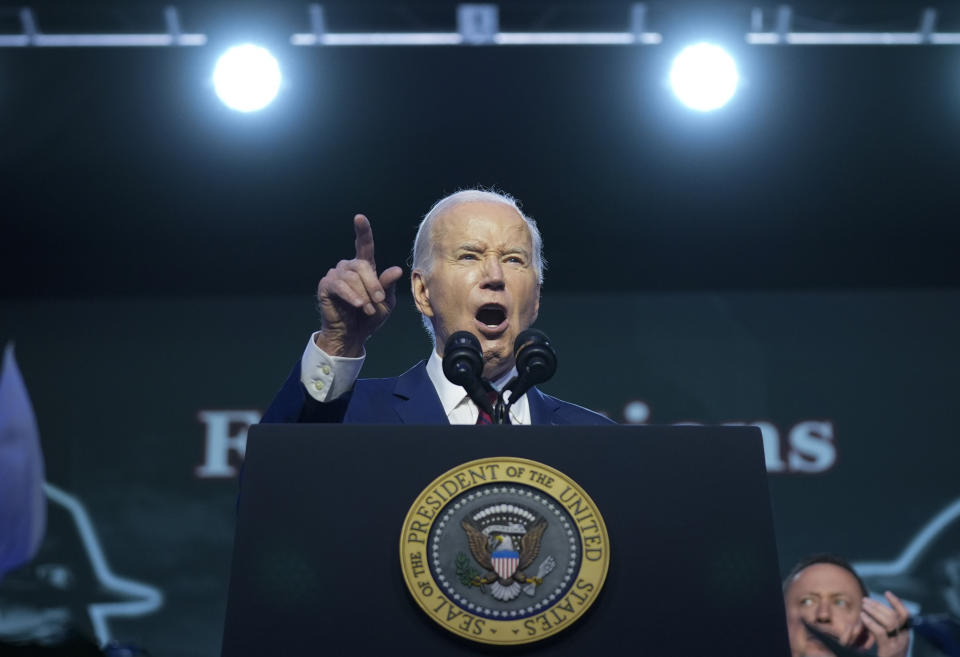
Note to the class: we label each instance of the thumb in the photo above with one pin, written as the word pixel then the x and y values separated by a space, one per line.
pixel 389 278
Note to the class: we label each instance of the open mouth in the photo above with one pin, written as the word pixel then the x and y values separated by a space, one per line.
pixel 492 317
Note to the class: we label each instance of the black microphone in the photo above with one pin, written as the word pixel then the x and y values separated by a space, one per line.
pixel 536 362
pixel 463 365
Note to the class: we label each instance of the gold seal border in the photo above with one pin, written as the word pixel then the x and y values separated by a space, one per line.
pixel 414 556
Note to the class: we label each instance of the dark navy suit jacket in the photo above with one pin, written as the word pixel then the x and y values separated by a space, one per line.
pixel 406 399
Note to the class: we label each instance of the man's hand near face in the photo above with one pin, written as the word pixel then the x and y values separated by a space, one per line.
pixel 882 622
pixel 354 300
pixel 826 594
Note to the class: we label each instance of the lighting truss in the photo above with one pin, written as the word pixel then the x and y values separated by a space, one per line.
pixel 33 37
pixel 478 25
pixel 782 34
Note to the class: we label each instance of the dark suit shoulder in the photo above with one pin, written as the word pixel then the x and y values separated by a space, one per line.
pixel 566 413
pixel 371 402
pixel 375 386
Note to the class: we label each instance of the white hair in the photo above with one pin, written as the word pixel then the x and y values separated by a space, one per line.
pixel 422 258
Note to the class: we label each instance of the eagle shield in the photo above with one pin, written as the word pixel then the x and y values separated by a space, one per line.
pixel 505 540
pixel 505 562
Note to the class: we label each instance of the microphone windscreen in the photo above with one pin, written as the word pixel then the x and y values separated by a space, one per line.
pixel 462 358
pixel 535 357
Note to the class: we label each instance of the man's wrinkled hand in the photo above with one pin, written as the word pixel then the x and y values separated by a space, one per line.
pixel 354 300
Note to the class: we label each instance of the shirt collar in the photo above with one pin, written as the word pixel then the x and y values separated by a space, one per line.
pixel 451 395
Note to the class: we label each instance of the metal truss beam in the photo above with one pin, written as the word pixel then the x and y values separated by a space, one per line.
pixel 478 24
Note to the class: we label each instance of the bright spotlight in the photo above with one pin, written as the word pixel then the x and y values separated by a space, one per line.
pixel 246 78
pixel 704 77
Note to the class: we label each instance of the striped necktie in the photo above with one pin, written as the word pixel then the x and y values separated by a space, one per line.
pixel 483 417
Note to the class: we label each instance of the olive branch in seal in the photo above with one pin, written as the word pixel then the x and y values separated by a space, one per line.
pixel 465 573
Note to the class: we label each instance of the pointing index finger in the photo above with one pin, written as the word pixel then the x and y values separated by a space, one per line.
pixel 364 239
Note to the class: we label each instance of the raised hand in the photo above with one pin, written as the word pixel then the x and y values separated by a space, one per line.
pixel 886 626
pixel 354 301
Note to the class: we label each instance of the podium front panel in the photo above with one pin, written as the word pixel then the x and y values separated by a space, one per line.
pixel 693 565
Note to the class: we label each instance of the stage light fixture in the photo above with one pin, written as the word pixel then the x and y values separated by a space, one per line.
pixel 704 77
pixel 247 78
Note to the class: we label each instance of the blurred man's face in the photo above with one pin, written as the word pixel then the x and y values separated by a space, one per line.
pixel 828 598
pixel 482 279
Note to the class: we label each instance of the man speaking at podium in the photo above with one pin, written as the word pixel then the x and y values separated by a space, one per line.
pixel 477 267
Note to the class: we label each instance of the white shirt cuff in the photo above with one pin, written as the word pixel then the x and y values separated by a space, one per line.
pixel 327 377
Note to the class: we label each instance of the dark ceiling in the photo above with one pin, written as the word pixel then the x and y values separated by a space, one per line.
pixel 121 173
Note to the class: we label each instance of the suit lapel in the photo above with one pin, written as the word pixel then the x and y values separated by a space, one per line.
pixel 543 409
pixel 415 399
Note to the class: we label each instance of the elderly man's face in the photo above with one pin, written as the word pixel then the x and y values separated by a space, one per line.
pixel 828 598
pixel 482 280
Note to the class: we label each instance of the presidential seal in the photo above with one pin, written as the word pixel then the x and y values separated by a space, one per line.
pixel 504 551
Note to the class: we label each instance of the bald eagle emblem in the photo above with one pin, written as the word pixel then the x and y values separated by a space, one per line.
pixel 504 540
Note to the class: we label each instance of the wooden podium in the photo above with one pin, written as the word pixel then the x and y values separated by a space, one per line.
pixel 693 565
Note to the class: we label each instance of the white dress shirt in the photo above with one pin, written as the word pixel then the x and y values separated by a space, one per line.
pixel 328 377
